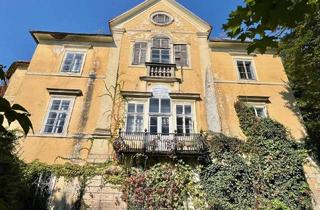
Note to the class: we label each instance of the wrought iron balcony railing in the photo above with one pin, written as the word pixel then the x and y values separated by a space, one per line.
pixel 146 142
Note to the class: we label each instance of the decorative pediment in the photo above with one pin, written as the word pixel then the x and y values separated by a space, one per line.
pixel 147 6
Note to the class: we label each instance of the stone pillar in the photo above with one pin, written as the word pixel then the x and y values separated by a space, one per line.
pixel 210 98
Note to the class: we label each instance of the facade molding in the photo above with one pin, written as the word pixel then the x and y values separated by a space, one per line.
pixel 192 96
pixel 136 94
pixel 63 75
pixel 68 92
pixel 249 82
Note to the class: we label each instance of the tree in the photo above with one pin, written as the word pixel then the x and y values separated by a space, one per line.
pixel 300 52
pixel 266 21
pixel 292 28
pixel 12 183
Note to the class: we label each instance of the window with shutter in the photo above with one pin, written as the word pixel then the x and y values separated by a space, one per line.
pixel 139 53
pixel 181 55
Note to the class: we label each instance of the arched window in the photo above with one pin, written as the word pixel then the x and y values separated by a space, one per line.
pixel 160 52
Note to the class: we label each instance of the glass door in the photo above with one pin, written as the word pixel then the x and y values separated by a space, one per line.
pixel 159 125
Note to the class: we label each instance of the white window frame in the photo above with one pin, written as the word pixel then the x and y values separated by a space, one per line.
pixel 135 113
pixel 259 105
pixel 243 59
pixel 171 19
pixel 145 113
pixel 193 113
pixel 160 114
pixel 67 121
pixel 84 52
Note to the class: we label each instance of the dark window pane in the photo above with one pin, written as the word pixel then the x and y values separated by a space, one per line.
pixel 48 129
pixel 130 123
pixel 65 105
pixel 187 109
pixel 55 104
pixel 179 109
pixel 131 108
pixel 140 108
pixel 153 125
pixel 154 105
pixel 241 69
pixel 165 125
pixel 165 106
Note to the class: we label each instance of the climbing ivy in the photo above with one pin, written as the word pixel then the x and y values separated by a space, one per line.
pixel 111 172
pixel 265 172
pixel 164 186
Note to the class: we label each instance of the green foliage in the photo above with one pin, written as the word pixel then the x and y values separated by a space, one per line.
pixel 163 186
pixel 300 52
pixel 12 182
pixel 265 21
pixel 111 173
pixel 13 113
pixel 265 172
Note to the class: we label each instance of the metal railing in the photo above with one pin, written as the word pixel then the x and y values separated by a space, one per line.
pixel 161 143
pixel 161 70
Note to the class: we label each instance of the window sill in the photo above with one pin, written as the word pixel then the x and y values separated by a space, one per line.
pixel 137 66
pixel 160 79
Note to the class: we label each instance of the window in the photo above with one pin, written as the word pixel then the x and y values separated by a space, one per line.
pixel 160 105
pixel 139 53
pixel 181 55
pixel 260 110
pixel 159 111
pixel 58 115
pixel 160 51
pixel 73 62
pixel 245 70
pixel 160 18
pixel 135 117
pixel 184 119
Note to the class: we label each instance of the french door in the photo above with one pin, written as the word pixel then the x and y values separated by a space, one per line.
pixel 159 125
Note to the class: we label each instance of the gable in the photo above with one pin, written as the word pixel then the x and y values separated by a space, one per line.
pixel 139 16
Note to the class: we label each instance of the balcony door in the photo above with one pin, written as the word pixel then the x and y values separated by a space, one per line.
pixel 159 124
pixel 160 116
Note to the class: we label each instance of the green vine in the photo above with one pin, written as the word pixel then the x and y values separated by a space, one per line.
pixel 110 172
pixel 265 172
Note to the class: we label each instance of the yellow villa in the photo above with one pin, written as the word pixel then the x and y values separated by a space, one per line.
pixel 157 77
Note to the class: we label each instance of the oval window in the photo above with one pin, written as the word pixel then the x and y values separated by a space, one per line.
pixel 161 19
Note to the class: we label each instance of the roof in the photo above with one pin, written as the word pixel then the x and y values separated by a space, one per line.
pixel 67 36
pixel 16 65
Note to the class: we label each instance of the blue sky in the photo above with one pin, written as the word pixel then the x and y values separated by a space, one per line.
pixel 18 17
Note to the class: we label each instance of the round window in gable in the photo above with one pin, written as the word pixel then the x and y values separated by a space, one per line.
pixel 161 18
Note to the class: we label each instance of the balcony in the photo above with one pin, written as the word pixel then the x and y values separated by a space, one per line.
pixel 157 144
pixel 160 72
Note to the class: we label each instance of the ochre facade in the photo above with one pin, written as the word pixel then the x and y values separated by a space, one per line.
pixel 205 88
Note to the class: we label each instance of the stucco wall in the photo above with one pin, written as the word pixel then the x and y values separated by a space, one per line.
pixel 271 82
pixel 30 90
